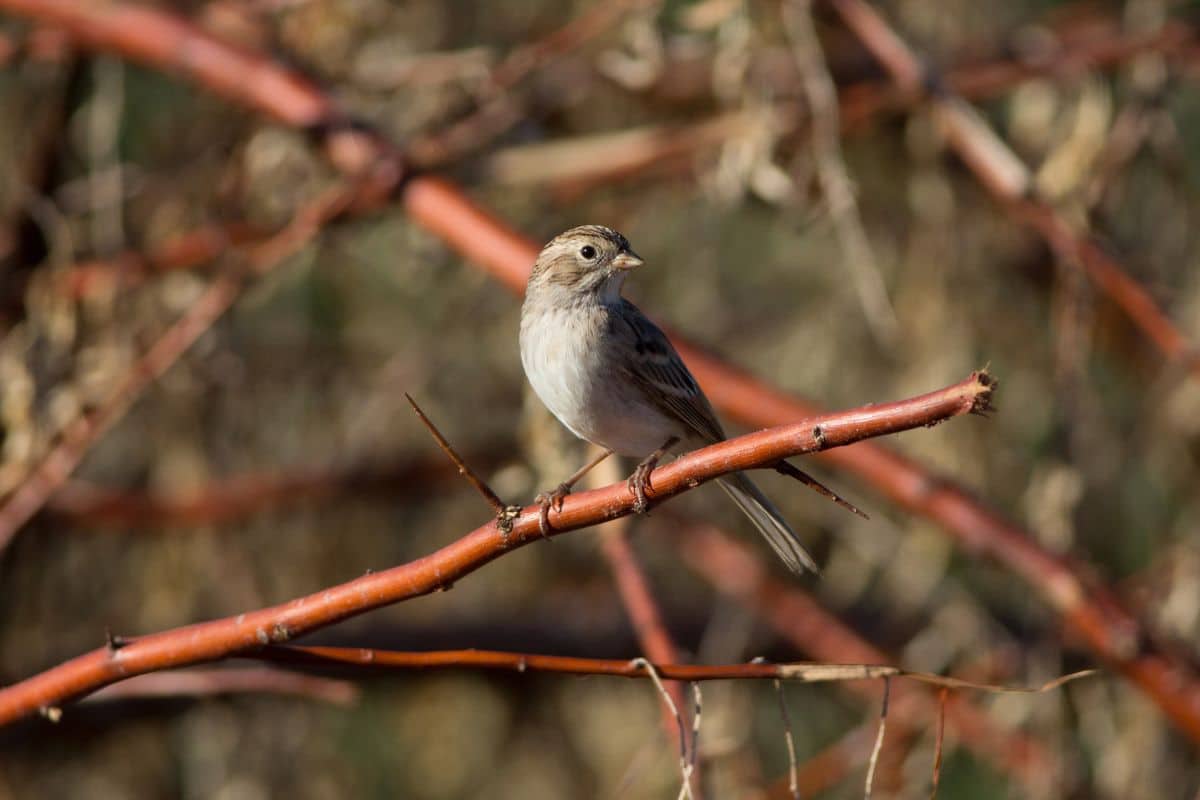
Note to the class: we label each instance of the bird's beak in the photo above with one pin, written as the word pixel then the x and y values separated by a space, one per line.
pixel 626 259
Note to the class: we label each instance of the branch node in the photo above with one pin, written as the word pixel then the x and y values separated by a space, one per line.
pixel 52 713
pixel 505 518
pixel 818 435
pixel 114 642
pixel 982 402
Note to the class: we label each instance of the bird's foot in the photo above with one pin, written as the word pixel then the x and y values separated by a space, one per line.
pixel 547 500
pixel 639 483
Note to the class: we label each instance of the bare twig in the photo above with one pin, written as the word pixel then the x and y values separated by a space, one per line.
pixel 789 740
pixel 831 765
pixel 878 748
pixel 937 744
pixel 497 112
pixel 792 471
pixel 684 767
pixel 480 485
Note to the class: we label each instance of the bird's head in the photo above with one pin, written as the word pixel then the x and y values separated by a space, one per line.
pixel 590 261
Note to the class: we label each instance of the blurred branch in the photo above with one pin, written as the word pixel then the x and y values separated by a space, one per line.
pixel 821 100
pixel 596 158
pixel 79 436
pixel 43 44
pixel 497 112
pixel 131 268
pixel 1004 175
pixel 234 498
pixel 438 571
pixel 206 682
pixel 633 587
pixel 793 613
pixel 1090 610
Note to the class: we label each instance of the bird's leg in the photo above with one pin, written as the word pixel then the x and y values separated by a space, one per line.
pixel 639 481
pixel 556 496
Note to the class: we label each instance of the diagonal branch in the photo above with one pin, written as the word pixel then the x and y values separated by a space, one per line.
pixel 218 639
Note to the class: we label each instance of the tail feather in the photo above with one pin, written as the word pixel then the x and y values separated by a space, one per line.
pixel 769 522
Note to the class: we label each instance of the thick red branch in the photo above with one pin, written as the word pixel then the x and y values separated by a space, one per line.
pixel 438 571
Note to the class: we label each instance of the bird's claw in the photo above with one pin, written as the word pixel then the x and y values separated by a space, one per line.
pixel 547 500
pixel 639 482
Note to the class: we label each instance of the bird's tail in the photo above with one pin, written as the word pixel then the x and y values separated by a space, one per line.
pixel 769 522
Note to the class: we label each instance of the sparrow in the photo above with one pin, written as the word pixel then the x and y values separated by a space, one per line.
pixel 612 377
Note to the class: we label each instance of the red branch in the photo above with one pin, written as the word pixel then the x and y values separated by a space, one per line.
pixel 1090 610
pixel 227 499
pixel 207 682
pixel 438 571
pixel 655 642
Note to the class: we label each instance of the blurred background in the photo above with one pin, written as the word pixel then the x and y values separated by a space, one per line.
pixel 799 215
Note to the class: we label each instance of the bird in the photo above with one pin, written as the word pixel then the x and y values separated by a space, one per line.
pixel 613 378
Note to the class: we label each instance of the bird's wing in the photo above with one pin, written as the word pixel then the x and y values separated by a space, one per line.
pixel 654 367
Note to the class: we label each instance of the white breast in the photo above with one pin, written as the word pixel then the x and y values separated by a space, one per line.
pixel 567 359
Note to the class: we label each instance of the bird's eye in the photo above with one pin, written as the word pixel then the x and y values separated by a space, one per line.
pixel 588 252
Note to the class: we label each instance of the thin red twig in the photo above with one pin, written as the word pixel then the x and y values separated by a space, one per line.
pixel 357 658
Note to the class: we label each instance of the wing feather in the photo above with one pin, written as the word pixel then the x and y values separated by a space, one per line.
pixel 656 368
